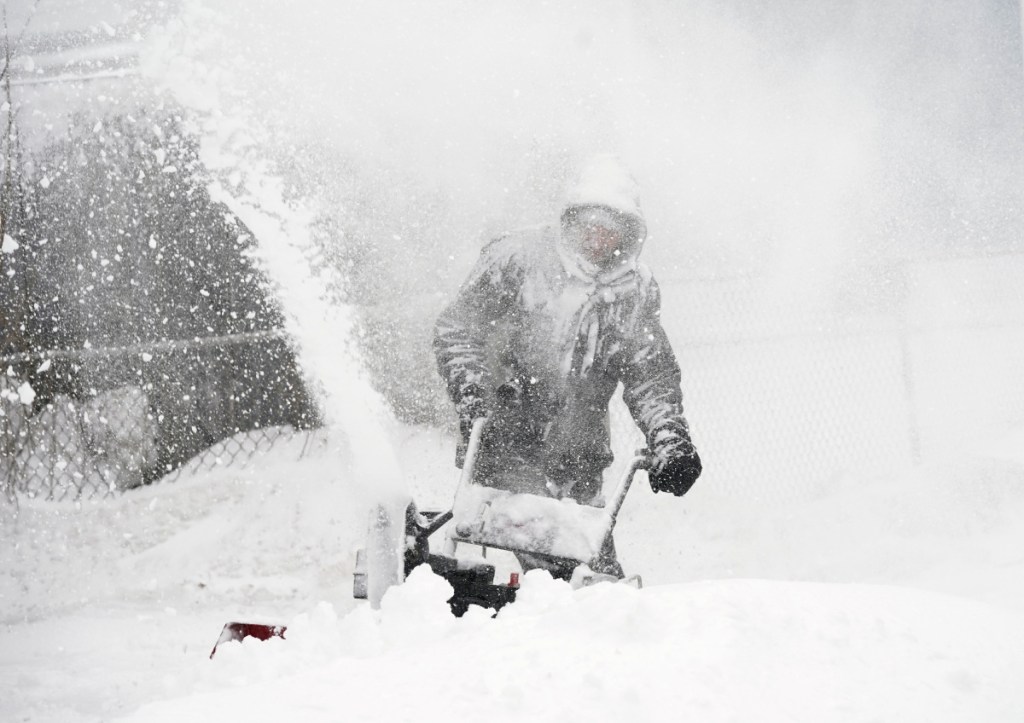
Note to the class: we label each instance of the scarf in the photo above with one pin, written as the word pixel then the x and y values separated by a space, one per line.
pixel 600 287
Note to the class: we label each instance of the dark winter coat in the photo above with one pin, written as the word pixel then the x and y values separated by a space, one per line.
pixel 566 339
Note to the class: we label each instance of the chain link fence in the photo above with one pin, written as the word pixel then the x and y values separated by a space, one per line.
pixel 787 393
pixel 785 397
pixel 244 448
pixel 91 422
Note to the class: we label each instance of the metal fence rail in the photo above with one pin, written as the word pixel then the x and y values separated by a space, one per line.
pixel 244 448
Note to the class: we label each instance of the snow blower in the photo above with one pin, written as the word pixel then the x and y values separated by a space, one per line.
pixel 554 533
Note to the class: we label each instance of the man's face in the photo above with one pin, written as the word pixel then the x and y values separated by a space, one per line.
pixel 602 237
pixel 600 245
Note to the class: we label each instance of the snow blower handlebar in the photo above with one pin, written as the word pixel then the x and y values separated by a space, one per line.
pixel 472 448
pixel 439 520
pixel 475 583
pixel 642 460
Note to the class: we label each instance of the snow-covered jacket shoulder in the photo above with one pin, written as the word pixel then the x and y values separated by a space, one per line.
pixel 489 292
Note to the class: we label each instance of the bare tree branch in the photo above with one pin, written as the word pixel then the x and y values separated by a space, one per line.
pixel 5 196
pixel 17 40
pixel 7 48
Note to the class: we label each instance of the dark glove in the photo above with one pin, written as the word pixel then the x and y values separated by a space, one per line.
pixel 675 471
pixel 470 408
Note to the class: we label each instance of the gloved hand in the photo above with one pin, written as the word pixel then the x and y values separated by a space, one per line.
pixel 470 407
pixel 675 470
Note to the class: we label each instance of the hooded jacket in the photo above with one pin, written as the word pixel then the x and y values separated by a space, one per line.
pixel 563 334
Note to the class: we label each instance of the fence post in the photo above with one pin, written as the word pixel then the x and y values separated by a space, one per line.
pixel 905 333
pixel 7 459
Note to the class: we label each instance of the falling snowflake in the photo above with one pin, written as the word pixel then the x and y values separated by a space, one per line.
pixel 27 394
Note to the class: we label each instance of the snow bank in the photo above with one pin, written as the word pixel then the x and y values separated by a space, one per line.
pixel 281 528
pixel 744 650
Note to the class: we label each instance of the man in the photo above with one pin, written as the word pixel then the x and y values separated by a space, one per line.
pixel 547 325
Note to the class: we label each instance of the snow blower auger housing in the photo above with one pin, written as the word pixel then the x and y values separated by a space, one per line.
pixel 558 534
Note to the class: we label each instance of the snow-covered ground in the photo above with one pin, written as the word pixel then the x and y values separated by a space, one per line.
pixel 892 596
pixel 896 598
